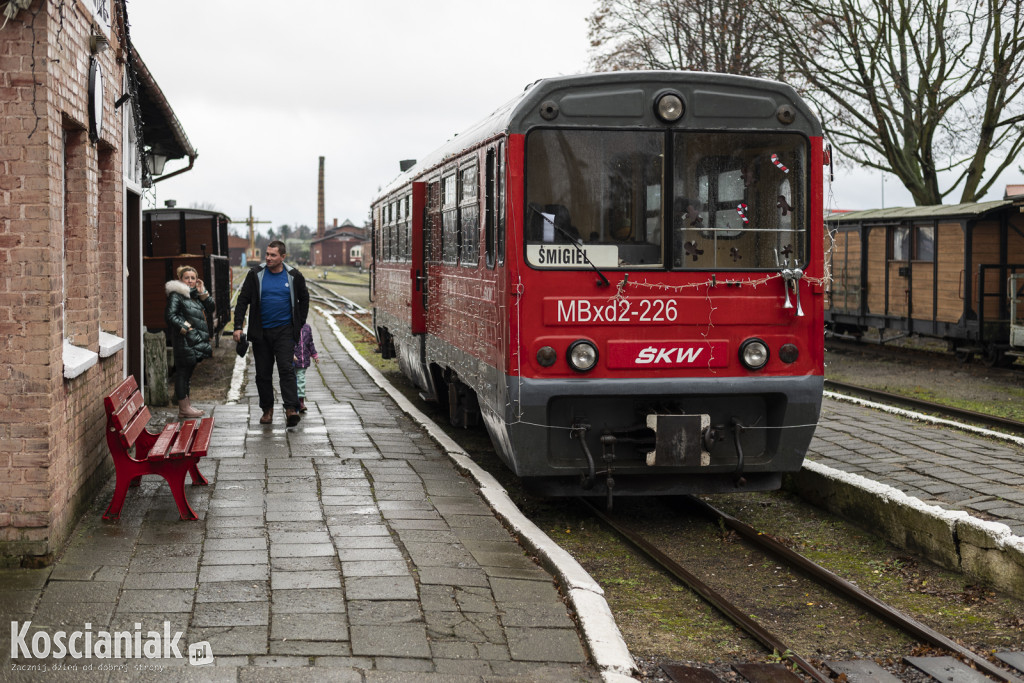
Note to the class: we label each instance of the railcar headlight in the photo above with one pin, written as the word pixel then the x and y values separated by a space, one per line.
pixel 582 355
pixel 789 353
pixel 754 354
pixel 547 356
pixel 669 107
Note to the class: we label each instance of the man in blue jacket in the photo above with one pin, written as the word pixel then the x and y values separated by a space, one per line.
pixel 278 302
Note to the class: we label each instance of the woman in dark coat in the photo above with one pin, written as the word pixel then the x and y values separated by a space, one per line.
pixel 188 302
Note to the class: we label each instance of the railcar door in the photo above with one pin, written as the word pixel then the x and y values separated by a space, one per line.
pixel 419 262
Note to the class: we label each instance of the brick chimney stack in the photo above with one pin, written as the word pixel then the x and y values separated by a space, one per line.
pixel 320 203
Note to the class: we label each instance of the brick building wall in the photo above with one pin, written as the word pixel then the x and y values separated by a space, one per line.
pixel 61 244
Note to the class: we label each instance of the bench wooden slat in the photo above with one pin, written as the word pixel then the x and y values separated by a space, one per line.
pixel 184 440
pixel 130 433
pixel 201 444
pixel 163 442
pixel 123 415
pixel 121 394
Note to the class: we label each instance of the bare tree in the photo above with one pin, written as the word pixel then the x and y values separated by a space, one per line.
pixel 918 88
pixel 727 36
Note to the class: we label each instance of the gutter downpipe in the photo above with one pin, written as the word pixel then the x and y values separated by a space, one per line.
pixel 191 163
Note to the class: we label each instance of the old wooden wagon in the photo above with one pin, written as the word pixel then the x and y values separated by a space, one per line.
pixel 175 237
pixel 937 271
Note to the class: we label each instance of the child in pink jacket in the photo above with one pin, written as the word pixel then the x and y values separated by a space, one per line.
pixel 304 351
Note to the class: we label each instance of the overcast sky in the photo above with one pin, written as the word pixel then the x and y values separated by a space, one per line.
pixel 263 89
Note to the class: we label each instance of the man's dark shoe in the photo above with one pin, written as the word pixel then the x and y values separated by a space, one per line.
pixel 268 416
pixel 293 417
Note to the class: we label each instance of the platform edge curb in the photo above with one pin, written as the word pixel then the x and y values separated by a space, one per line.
pixel 983 550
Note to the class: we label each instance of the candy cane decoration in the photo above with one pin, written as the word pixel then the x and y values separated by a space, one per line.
pixel 778 163
pixel 741 209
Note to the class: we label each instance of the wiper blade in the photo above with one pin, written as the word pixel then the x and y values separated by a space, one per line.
pixel 574 241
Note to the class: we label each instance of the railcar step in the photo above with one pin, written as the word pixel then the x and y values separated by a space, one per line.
pixel 947 669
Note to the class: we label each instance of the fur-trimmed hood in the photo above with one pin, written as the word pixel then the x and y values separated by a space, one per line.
pixel 178 287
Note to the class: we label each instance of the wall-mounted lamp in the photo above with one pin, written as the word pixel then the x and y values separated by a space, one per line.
pixel 156 163
pixel 98 43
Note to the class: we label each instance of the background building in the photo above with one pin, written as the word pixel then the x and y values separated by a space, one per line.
pixel 334 248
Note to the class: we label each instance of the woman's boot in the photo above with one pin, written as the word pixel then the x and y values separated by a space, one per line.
pixel 185 409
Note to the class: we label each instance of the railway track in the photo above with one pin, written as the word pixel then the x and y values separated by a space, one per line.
pixel 968 416
pixel 338 304
pixel 937 667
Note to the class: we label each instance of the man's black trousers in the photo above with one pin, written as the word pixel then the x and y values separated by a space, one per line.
pixel 276 346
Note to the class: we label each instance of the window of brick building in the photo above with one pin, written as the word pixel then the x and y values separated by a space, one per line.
pixel 78 318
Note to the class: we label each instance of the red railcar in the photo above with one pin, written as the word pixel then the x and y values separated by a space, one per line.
pixel 621 276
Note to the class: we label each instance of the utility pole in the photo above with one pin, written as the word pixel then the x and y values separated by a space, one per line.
pixel 251 255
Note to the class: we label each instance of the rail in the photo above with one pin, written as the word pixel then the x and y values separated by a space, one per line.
pixel 341 305
pixel 719 601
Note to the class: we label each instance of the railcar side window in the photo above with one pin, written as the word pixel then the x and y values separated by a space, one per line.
pixel 489 208
pixel 407 230
pixel 594 196
pixel 386 231
pixel 740 201
pixel 449 220
pixel 501 203
pixel 469 217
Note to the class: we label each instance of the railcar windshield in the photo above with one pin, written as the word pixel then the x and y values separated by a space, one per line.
pixel 655 200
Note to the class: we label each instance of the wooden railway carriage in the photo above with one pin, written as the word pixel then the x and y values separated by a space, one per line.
pixel 937 271
pixel 621 276
pixel 185 237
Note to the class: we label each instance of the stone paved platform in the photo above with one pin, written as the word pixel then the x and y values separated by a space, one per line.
pixel 348 548
pixel 936 464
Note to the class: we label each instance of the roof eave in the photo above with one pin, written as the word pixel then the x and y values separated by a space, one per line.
pixel 162 130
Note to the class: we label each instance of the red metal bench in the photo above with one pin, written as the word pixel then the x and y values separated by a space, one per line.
pixel 171 454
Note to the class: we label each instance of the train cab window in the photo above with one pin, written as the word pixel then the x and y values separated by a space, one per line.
pixel 785 205
pixel 593 198
pixel 449 220
pixel 469 217
pixel 600 198
pixel 740 201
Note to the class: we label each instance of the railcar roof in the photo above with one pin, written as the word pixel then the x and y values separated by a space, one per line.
pixel 899 213
pixel 520 113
